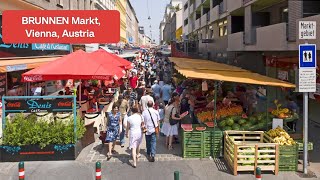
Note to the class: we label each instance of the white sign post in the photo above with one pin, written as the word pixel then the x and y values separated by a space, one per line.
pixel 307 77
pixel 307 29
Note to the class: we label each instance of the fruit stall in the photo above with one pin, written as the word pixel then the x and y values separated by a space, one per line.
pixel 245 139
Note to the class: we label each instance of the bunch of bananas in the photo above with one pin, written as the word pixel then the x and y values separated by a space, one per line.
pixel 281 137
pixel 280 112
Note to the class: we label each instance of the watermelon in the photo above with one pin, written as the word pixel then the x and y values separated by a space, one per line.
pixel 223 123
pixel 210 124
pixel 227 128
pixel 200 128
pixel 187 127
pixel 236 126
pixel 229 121
pixel 244 116
pixel 242 121
pixel 252 119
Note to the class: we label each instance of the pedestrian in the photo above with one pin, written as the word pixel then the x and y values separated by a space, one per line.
pixel 151 120
pixel 134 125
pixel 171 112
pixel 145 99
pixel 124 109
pixel 133 81
pixel 165 93
pixel 114 127
pixel 156 89
pixel 140 90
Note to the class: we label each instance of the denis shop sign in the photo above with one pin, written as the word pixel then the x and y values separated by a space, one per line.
pixel 38 105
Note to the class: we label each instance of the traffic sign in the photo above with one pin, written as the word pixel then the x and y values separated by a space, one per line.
pixel 307 29
pixel 307 56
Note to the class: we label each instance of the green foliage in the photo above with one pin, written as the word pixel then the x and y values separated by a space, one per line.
pixel 29 130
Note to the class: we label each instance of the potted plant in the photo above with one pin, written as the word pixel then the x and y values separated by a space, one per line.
pixel 32 139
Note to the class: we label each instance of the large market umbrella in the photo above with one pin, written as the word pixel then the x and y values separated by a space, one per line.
pixel 77 65
pixel 103 55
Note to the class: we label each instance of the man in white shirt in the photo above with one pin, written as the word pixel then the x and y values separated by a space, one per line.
pixel 151 121
pixel 145 99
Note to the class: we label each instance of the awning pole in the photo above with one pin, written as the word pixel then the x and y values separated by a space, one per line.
pixel 214 115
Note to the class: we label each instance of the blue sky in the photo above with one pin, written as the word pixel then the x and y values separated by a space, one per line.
pixel 156 11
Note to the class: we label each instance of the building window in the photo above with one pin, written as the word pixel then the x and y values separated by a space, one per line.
pixel 223 30
pixel 186 22
pixel 284 14
pixel 185 6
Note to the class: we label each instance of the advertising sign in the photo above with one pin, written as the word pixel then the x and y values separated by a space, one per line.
pixel 38 105
pixel 51 47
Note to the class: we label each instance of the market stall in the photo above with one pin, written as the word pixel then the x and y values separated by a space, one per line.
pixel 45 109
pixel 225 110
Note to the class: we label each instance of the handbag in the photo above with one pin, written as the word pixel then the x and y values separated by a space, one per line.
pixel 173 121
pixel 155 128
pixel 143 127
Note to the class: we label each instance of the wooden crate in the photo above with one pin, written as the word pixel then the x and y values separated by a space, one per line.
pixel 212 143
pixel 288 156
pixel 247 150
pixel 192 146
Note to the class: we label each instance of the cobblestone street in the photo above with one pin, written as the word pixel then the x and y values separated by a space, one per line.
pixel 98 152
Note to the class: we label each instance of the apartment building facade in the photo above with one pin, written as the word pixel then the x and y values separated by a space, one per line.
pixel 132 24
pixel 121 6
pixel 258 35
pixel 172 21
pixel 105 4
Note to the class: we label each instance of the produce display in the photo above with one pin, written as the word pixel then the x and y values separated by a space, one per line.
pixel 281 137
pixel 279 112
pixel 255 122
pixel 207 114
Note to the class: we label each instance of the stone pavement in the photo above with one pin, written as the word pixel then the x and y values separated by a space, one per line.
pixel 98 152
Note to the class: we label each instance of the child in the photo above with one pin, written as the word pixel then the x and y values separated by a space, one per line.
pixel 161 113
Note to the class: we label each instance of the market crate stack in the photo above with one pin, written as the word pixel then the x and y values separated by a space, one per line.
pixel 288 158
pixel 192 145
pixel 213 143
pixel 201 142
pixel 288 149
pixel 247 150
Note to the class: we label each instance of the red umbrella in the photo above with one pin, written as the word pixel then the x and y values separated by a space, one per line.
pixel 103 55
pixel 77 65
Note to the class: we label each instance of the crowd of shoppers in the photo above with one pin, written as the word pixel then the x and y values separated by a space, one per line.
pixel 148 99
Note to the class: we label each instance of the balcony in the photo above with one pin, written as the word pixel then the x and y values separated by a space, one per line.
pixel 234 5
pixel 273 37
pixel 214 14
pixel 185 13
pixel 222 8
pixel 191 9
pixel 246 1
pixel 235 41
pixel 198 3
pixel 204 20
pixel 197 24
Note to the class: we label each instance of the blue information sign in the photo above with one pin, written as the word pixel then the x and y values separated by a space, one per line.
pixel 307 56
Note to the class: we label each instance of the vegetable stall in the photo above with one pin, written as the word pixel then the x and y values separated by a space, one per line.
pixel 220 117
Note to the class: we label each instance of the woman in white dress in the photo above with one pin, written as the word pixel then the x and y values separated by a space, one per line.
pixel 171 109
pixel 134 125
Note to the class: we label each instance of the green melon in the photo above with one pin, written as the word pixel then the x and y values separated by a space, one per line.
pixel 227 128
pixel 236 126
pixel 242 121
pixel 230 121
pixel 223 123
